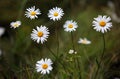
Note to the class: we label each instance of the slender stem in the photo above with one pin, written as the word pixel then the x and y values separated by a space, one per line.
pixel 102 55
pixel 76 65
pixel 79 69
pixel 56 57
pixel 87 57
pixel 103 48
pixel 28 73
pixel 51 51
pixel 72 41
pixel 21 8
pixel 57 38
pixel 71 4
pixel 43 77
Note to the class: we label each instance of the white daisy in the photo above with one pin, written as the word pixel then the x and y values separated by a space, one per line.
pixel 40 34
pixel 55 13
pixel 32 13
pixel 75 52
pixel 44 66
pixel 15 24
pixel 84 41
pixel 72 52
pixel 2 30
pixel 102 23
pixel 70 26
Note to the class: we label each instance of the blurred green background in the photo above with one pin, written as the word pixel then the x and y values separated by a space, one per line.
pixel 19 52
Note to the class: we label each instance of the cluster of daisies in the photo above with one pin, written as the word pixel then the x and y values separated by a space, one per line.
pixel 41 33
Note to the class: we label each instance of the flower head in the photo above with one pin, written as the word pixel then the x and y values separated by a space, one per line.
pixel 32 13
pixel 84 41
pixel 44 66
pixel 40 34
pixel 15 24
pixel 2 30
pixel 102 23
pixel 72 52
pixel 55 13
pixel 70 26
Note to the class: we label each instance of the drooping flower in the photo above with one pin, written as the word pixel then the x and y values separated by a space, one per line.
pixel 70 26
pixel 84 41
pixel 2 30
pixel 102 23
pixel 55 13
pixel 44 66
pixel 32 13
pixel 15 24
pixel 40 34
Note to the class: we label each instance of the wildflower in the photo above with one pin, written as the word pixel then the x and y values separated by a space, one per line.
pixel 55 13
pixel 15 24
pixel 40 34
pixel 2 30
pixel 102 23
pixel 70 26
pixel 72 52
pixel 32 13
pixel 44 66
pixel 84 41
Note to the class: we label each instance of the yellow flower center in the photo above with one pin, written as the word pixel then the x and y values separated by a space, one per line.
pixel 44 66
pixel 40 34
pixel 102 23
pixel 84 41
pixel 33 13
pixel 15 25
pixel 56 14
pixel 70 25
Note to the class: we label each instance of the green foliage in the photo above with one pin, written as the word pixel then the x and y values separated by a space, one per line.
pixel 21 53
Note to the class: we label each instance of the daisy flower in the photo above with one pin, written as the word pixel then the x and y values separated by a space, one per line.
pixel 70 26
pixel 44 66
pixel 32 13
pixel 84 41
pixel 102 23
pixel 71 51
pixel 40 34
pixel 2 30
pixel 15 24
pixel 55 13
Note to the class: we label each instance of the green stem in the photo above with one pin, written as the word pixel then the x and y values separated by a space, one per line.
pixel 22 8
pixel 28 73
pixel 79 69
pixel 77 61
pixel 102 55
pixel 87 57
pixel 72 41
pixel 51 51
pixel 56 57
pixel 57 38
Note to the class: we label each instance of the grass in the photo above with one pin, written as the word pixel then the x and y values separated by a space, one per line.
pixel 21 53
